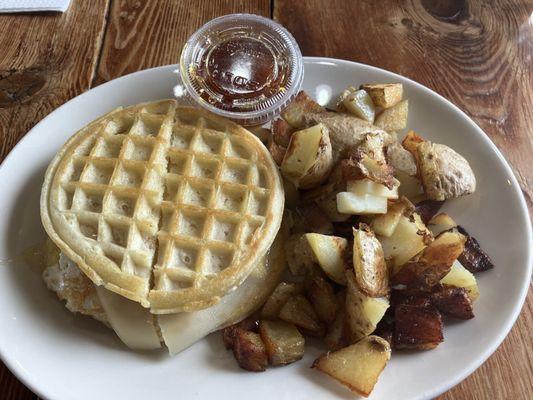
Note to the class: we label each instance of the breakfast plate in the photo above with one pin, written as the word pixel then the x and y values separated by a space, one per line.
pixel 60 355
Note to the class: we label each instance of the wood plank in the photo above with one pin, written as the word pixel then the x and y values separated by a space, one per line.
pixel 478 55
pixel 45 59
pixel 50 59
pixel 147 34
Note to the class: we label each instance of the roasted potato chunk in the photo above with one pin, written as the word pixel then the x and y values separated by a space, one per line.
pixel 276 150
pixel 308 159
pixel 427 209
pixel 445 173
pixel 408 239
pixel 371 272
pixel 384 95
pixel 330 253
pixel 337 336
pixel 283 292
pixel 401 159
pixel 357 366
pixel 473 257
pixel 229 333
pixel 321 295
pixel 440 223
pixel 250 351
pixel 459 276
pixel 284 343
pixel 417 328
pixel 385 225
pixel 301 105
pixel 300 257
pixel 353 204
pixel 453 302
pixel 411 142
pixel 393 118
pixel 361 165
pixel 360 104
pixel 298 311
pixel 362 312
pixel 433 264
pixel 281 132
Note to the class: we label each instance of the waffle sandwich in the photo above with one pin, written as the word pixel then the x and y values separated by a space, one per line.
pixel 168 206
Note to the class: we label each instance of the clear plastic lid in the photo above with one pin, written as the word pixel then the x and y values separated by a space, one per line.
pixel 243 67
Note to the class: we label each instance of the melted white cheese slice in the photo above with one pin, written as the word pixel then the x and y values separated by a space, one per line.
pixel 132 323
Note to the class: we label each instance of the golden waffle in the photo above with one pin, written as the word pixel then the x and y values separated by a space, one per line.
pixel 168 206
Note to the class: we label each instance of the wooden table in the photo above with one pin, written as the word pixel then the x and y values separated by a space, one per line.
pixel 478 54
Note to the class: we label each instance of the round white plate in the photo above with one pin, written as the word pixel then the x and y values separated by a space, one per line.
pixel 63 356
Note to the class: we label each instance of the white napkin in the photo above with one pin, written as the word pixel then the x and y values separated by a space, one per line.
pixel 15 6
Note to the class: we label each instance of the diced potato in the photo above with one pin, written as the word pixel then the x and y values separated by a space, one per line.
pixel 474 258
pixel 366 186
pixel 330 253
pixel 410 187
pixel 411 142
pixel 433 264
pixel 308 160
pixel 281 132
pixel 371 272
pixel 385 224
pixel 401 159
pixel 350 203
pixel 360 104
pixel 230 332
pixel 440 223
pixel 417 327
pixel 250 351
pixel 445 173
pixel 284 343
pixel 361 165
pixel 384 95
pixel 357 366
pixel 453 302
pixel 336 335
pixel 406 242
pixel 393 118
pixel 300 257
pixel 298 311
pixel 283 292
pixel 321 295
pixel 459 276
pixel 301 105
pixel 362 312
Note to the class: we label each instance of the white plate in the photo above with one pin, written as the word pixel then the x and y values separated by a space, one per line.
pixel 62 356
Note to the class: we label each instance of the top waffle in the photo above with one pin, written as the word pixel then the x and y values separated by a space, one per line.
pixel 166 205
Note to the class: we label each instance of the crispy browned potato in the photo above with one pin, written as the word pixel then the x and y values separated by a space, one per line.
pixel 321 295
pixel 417 327
pixel 250 351
pixel 371 272
pixel 473 257
pixel 276 150
pixel 308 159
pixel 453 302
pixel 410 298
pixel 445 173
pixel 337 335
pixel 281 132
pixel 385 225
pixel 298 108
pixel 459 276
pixel 360 166
pixel 393 118
pixel 411 142
pixel 384 95
pixel 278 298
pixel 362 312
pixel 310 218
pixel 357 366
pixel 229 333
pixel 440 223
pixel 283 342
pixel 300 257
pixel 433 264
pixel 298 311
pixel 427 209
pixel 385 329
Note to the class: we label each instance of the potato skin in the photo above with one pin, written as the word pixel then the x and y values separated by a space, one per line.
pixel 371 272
pixel 321 169
pixel 473 257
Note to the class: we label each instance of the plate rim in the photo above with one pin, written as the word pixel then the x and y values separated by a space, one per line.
pixel 33 384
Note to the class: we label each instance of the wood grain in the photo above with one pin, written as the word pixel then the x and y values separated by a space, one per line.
pixel 147 34
pixel 476 53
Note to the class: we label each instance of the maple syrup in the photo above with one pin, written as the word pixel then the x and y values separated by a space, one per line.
pixel 244 67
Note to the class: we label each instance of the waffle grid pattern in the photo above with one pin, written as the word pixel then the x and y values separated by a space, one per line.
pixel 168 197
